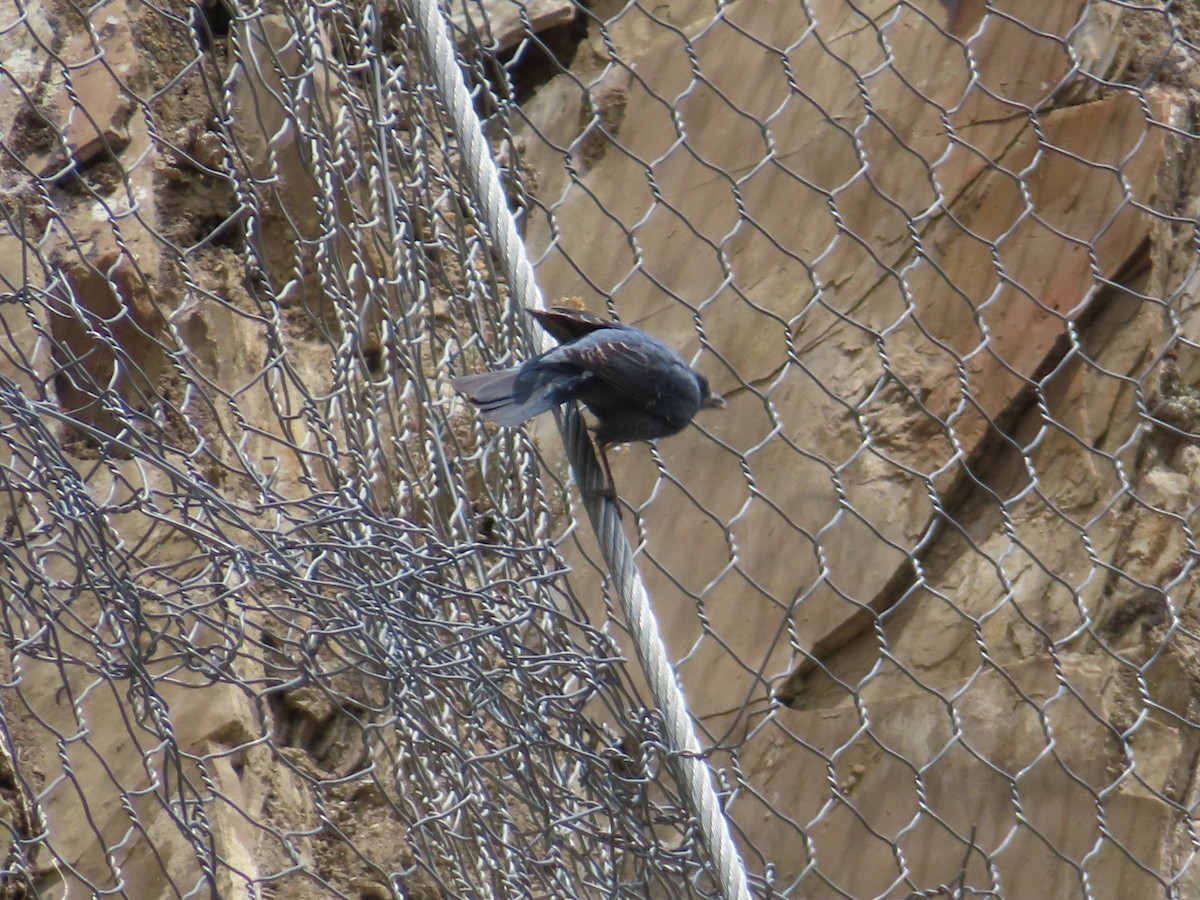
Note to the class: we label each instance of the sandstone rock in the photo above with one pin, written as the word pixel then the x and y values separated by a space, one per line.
pixel 890 234
pixel 503 20
pixel 107 338
pixel 92 110
pixel 301 192
pixel 27 67
pixel 834 234
pixel 867 280
pixel 19 275
pixel 968 772
pixel 209 151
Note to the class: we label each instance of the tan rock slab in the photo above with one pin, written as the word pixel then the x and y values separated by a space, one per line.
pixel 787 223
pixel 106 330
pixel 885 219
pixel 505 20
pixel 92 110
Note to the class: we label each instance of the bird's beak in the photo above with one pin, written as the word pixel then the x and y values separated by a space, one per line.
pixel 715 401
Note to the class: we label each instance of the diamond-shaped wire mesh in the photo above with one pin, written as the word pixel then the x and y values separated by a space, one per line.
pixel 282 616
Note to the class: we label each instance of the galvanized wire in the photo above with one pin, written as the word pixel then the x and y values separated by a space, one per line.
pixel 683 748
pixel 281 615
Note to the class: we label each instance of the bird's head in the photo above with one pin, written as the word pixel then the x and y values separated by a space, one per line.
pixel 709 400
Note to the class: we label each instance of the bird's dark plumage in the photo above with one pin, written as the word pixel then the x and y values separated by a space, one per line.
pixel 638 388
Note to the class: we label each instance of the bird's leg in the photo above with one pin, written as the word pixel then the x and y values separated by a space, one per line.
pixel 610 487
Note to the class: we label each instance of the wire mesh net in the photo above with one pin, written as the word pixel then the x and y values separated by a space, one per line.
pixel 281 615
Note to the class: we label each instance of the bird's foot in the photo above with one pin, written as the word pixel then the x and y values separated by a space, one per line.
pixel 610 486
pixel 607 493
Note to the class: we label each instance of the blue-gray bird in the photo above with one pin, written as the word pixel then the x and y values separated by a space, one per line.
pixel 637 387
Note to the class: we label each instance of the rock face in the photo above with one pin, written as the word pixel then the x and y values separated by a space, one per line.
pixel 929 578
pixel 936 269
pixel 132 374
pixel 106 333
pixel 504 21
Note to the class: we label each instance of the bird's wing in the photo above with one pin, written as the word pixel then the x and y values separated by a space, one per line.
pixel 647 372
pixel 565 324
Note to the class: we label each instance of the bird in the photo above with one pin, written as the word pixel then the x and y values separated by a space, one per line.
pixel 637 387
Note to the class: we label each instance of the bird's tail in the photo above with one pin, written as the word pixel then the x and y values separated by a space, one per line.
pixel 497 396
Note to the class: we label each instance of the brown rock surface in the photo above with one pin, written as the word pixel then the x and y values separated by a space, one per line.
pixel 279 122
pixel 939 257
pixel 93 107
pixel 96 302
pixel 947 302
pixel 107 338
pixel 918 284
pixel 504 20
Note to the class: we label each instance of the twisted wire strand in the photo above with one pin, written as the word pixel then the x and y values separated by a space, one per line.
pixel 687 759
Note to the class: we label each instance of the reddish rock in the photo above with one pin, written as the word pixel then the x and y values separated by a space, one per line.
pixel 92 109
pixel 106 331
